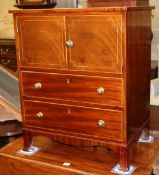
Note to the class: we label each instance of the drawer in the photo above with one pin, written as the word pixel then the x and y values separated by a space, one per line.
pixel 7 50
pixel 85 89
pixel 9 62
pixel 74 119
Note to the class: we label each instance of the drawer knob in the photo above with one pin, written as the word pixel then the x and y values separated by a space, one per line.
pixel 37 85
pixel 68 81
pixel 101 123
pixel 69 44
pixel 100 90
pixel 40 115
pixel 69 111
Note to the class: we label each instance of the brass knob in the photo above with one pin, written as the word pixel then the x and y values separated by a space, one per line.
pixel 101 123
pixel 37 85
pixel 100 90
pixel 68 81
pixel 69 43
pixel 40 115
pixel 69 111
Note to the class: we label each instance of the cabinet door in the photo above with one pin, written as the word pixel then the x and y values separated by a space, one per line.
pixel 41 41
pixel 97 43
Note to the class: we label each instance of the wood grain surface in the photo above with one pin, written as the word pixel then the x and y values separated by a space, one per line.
pixel 95 49
pixel 110 50
pixel 84 160
pixel 46 36
pixel 73 119
pixel 74 88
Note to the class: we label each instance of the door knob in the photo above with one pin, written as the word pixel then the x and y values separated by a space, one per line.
pixel 69 44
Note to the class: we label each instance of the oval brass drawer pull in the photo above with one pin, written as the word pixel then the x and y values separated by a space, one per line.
pixel 37 85
pixel 100 90
pixel 101 123
pixel 40 115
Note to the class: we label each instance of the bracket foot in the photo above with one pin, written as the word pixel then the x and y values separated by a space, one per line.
pixel 118 170
pixel 32 150
pixel 149 139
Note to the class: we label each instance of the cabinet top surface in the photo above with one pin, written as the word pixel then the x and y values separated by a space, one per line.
pixel 85 9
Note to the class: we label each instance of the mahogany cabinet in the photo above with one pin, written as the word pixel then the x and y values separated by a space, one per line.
pixel 85 75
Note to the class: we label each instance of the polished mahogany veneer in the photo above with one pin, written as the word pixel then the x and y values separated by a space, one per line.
pixel 66 87
pixel 74 120
pixel 85 75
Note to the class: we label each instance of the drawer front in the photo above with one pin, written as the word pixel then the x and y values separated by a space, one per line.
pixel 7 50
pixel 9 62
pixel 85 89
pixel 73 119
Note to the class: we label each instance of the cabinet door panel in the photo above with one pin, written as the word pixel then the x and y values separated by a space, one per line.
pixel 97 43
pixel 41 41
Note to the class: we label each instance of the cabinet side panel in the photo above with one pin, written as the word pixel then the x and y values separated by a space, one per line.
pixel 97 43
pixel 138 69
